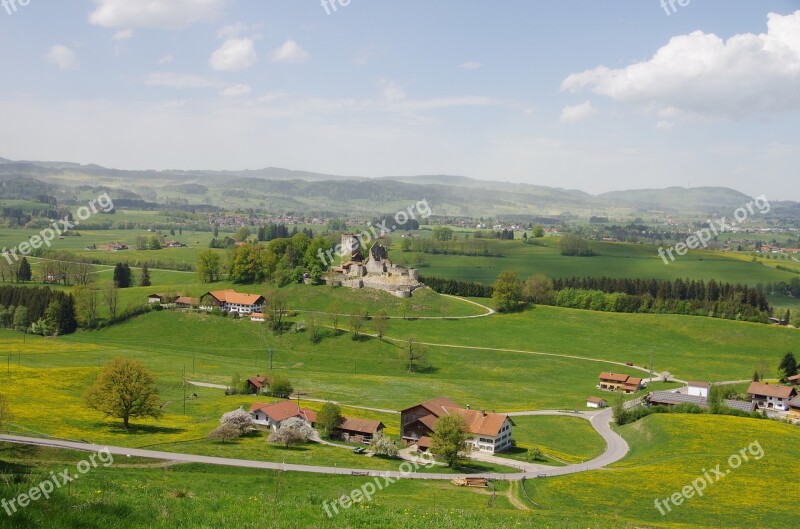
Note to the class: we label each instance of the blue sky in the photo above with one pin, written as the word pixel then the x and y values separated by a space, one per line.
pixel 597 96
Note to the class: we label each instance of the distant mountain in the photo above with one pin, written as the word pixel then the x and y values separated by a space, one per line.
pixel 283 190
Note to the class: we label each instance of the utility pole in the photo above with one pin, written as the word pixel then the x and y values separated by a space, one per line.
pixel 271 352
pixel 651 365
pixel 184 389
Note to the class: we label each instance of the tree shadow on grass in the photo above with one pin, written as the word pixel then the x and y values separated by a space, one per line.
pixel 140 429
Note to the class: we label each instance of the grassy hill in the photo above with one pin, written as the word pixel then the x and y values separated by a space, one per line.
pixel 669 453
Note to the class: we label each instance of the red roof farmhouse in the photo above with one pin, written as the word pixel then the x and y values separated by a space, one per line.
pixel 488 432
pixel 232 301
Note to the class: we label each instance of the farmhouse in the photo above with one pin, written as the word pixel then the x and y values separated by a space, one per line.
pixel 596 402
pixel 672 398
pixel 487 432
pixel 257 383
pixel 771 397
pixel 273 415
pixel 699 389
pixel 624 383
pixel 232 301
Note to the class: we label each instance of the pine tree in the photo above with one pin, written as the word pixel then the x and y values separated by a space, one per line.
pixel 144 281
pixel 24 271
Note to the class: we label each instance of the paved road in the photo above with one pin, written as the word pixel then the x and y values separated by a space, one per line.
pixel 616 449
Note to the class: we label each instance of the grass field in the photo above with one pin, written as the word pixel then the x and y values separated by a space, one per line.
pixel 668 453
pixel 562 440
pixel 611 259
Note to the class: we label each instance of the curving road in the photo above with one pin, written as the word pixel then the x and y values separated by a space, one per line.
pixel 616 449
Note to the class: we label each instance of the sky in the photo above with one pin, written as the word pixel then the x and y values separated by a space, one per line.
pixel 597 96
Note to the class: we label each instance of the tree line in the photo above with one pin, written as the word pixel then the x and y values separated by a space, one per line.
pixel 44 310
pixel 679 290
pixel 456 287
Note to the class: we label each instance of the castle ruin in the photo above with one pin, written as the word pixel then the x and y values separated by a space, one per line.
pixel 377 271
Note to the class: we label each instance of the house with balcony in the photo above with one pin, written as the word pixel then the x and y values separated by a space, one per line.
pixel 232 302
pixel 486 432
pixel 771 397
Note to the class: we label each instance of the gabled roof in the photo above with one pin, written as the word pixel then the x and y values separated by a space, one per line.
pixel 794 378
pixel 481 423
pixel 614 377
pixel 231 296
pixel 258 381
pixel 767 390
pixel 362 426
pixel 187 300
pixel 277 412
pixel 795 402
pixel 596 400
pixel 428 420
pixel 436 406
pixel 700 385
pixel 309 415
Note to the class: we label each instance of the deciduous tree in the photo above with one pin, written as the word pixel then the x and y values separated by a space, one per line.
pixel 293 431
pixel 329 418
pixel 449 440
pixel 125 390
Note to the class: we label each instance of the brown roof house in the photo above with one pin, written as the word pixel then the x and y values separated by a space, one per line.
pixel 359 430
pixel 487 432
pixel 771 397
pixel 624 383
pixel 257 384
pixel 232 301
pixel 272 415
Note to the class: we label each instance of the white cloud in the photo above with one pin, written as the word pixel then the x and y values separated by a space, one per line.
pixel 179 80
pixel 237 90
pixel 290 51
pixel 62 57
pixel 392 92
pixel 124 34
pixel 470 65
pixel 166 59
pixel 701 74
pixel 160 14
pixel 234 55
pixel 576 113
